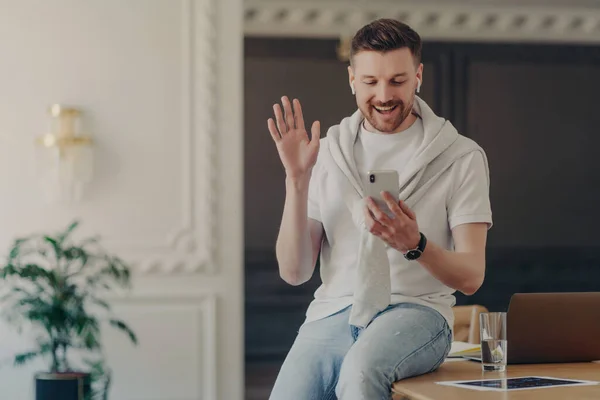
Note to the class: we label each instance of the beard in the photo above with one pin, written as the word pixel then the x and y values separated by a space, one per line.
pixel 390 122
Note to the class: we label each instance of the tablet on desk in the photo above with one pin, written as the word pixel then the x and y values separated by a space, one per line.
pixel 521 383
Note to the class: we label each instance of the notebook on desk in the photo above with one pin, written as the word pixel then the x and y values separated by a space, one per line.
pixel 463 349
pixel 552 328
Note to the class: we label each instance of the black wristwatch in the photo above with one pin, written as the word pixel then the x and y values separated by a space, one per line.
pixel 415 253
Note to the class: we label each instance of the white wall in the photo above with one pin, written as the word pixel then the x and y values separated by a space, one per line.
pixel 160 82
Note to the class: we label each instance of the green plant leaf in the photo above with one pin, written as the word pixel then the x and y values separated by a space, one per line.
pixel 88 329
pixel 75 253
pixel 90 341
pixel 35 303
pixel 41 317
pixel 110 272
pixel 90 240
pixel 63 236
pixel 76 256
pixel 101 303
pixel 23 358
pixel 16 249
pixel 91 281
pixel 14 252
pixel 83 322
pixel 55 246
pixel 8 270
pixel 123 326
pixel 33 273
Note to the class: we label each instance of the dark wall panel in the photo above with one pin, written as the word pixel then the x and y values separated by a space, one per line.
pixel 539 128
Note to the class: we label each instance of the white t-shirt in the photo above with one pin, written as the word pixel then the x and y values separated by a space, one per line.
pixel 459 196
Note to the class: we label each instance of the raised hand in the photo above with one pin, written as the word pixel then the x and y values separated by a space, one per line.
pixel 297 151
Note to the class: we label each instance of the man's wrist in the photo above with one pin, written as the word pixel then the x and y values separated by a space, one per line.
pixel 414 243
pixel 417 251
pixel 299 182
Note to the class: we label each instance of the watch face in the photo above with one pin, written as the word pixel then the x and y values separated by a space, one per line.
pixel 413 254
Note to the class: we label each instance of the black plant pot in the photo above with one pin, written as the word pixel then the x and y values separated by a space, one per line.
pixel 62 386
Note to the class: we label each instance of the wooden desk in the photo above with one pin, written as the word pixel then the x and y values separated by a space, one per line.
pixel 424 387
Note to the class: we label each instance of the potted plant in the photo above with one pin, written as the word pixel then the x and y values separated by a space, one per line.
pixel 54 288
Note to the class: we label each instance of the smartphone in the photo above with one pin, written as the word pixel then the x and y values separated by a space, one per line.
pixel 383 181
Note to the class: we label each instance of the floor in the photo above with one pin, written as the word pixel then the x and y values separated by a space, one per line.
pixel 260 377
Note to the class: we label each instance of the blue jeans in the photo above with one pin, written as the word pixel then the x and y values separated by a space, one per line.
pixel 331 359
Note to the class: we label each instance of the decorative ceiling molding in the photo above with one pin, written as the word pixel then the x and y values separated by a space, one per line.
pixel 481 21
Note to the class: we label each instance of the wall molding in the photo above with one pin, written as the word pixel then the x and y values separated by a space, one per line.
pixel 206 306
pixel 191 248
pixel 444 21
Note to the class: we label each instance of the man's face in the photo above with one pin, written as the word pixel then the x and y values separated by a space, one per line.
pixel 385 85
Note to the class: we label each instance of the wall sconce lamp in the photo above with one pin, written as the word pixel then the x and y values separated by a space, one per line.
pixel 64 156
pixel 343 48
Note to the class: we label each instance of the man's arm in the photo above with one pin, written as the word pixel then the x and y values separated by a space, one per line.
pixel 299 240
pixel 464 268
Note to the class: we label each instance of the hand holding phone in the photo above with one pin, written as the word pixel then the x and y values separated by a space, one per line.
pixel 383 181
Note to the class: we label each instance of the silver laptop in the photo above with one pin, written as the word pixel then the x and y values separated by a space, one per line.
pixel 553 328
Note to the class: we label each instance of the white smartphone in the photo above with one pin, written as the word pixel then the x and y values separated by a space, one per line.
pixel 383 181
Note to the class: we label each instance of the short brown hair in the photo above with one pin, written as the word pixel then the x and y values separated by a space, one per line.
pixel 384 35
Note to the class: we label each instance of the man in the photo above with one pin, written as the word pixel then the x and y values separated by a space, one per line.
pixel 383 311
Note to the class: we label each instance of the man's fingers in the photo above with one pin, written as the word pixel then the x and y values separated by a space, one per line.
pixel 315 131
pixel 372 225
pixel 380 216
pixel 391 203
pixel 298 117
pixel 289 114
pixel 407 210
pixel 273 130
pixel 398 208
pixel 279 118
pixel 386 236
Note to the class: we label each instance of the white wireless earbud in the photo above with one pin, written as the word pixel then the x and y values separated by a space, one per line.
pixel 418 85
pixel 352 88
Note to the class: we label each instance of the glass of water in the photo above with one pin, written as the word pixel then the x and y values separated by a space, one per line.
pixel 492 326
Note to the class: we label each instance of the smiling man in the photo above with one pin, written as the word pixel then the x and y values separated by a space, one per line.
pixel 383 312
